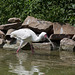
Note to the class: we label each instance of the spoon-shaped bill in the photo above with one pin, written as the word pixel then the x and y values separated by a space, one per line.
pixel 49 40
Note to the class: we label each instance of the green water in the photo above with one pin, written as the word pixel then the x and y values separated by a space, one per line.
pixel 24 63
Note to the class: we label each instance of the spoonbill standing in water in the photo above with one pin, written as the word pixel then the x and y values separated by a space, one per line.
pixel 27 35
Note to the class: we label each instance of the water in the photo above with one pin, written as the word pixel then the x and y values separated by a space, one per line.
pixel 24 63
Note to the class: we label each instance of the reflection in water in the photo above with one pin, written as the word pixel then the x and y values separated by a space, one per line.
pixel 23 63
pixel 20 69
pixel 67 57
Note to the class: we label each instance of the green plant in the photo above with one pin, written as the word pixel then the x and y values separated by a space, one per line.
pixel 50 10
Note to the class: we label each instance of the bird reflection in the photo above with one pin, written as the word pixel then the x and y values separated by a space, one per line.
pixel 19 69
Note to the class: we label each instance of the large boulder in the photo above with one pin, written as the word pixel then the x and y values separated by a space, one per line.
pixel 58 37
pixel 8 39
pixel 59 28
pixel 2 34
pixel 42 47
pixel 2 37
pixel 62 31
pixel 67 44
pixel 11 25
pixel 38 25
pixel 2 42
pixel 8 33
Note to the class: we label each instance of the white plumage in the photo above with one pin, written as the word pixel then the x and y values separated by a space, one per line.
pixel 27 35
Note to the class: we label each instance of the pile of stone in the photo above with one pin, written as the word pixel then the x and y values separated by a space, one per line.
pixel 62 35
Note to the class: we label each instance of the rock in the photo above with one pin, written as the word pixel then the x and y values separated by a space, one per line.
pixel 42 47
pixel 8 33
pixel 67 44
pixel 59 28
pixel 2 35
pixel 73 38
pixel 58 37
pixel 1 41
pixel 38 25
pixel 13 20
pixel 10 26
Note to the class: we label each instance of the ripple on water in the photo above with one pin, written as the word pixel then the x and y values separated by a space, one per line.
pixel 24 63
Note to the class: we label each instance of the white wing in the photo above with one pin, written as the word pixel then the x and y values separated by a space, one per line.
pixel 21 33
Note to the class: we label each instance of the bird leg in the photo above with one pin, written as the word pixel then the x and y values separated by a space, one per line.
pixel 32 48
pixel 20 46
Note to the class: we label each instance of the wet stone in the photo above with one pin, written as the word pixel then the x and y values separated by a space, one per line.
pixel 67 44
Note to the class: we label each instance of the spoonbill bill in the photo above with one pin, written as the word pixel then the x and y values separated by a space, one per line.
pixel 27 35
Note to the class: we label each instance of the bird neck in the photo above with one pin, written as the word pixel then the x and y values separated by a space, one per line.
pixel 39 38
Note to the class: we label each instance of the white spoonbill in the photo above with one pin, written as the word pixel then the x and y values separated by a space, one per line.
pixel 27 35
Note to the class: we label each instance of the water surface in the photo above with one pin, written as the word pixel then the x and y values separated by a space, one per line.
pixel 24 63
